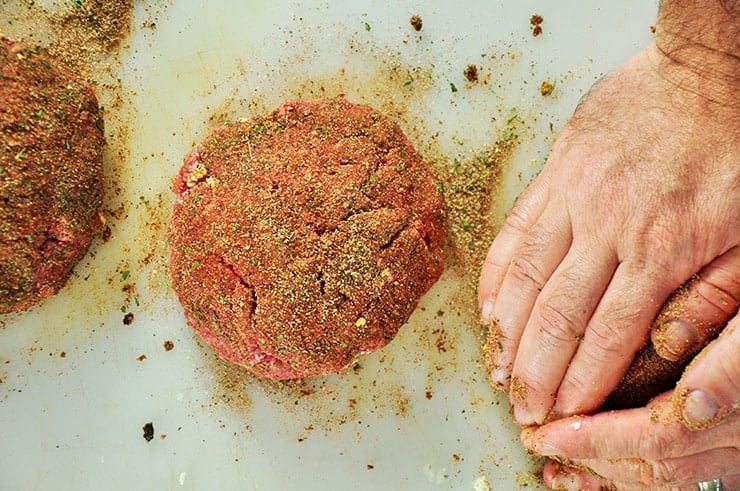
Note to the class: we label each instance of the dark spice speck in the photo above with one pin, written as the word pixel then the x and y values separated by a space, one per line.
pixel 148 431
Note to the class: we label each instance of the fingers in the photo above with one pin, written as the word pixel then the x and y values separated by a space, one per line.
pixel 523 216
pixel 555 330
pixel 694 314
pixel 538 256
pixel 624 472
pixel 651 433
pixel 525 213
pixel 709 391
pixel 680 471
pixel 529 247
pixel 617 329
pixel 645 448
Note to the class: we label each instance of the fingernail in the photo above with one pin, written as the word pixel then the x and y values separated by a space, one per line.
pixel 546 449
pixel 522 416
pixel 486 311
pixel 500 378
pixel 674 339
pixel 566 481
pixel 527 438
pixel 699 408
pixel 542 448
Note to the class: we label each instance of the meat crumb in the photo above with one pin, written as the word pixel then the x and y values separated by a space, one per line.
pixel 471 73
pixel 128 319
pixel 370 467
pixel 536 22
pixel 148 429
pixel 168 345
pixel 141 357
pixel 415 22
pixel 546 88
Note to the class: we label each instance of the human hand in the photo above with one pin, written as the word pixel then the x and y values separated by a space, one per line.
pixel 691 317
pixel 695 314
pixel 684 436
pixel 639 192
pixel 653 447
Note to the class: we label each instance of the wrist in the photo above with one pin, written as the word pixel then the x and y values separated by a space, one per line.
pixel 702 38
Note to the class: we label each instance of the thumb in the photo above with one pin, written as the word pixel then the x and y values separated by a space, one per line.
pixel 696 312
pixel 709 390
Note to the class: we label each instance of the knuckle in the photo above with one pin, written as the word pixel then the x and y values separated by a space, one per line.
pixel 606 341
pixel 526 271
pixel 518 217
pixel 656 445
pixel 559 326
pixel 719 295
pixel 664 472
pixel 521 216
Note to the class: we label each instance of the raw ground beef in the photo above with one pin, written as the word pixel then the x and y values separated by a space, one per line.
pixel 51 176
pixel 304 238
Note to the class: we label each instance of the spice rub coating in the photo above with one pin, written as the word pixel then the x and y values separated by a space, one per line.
pixel 304 238
pixel 51 176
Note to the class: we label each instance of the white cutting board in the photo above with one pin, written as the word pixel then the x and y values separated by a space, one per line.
pixel 419 414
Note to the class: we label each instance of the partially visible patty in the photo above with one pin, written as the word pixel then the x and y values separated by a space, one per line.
pixel 649 374
pixel 304 238
pixel 51 177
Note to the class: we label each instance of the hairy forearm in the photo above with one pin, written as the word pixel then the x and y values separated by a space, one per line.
pixel 702 34
pixel 700 45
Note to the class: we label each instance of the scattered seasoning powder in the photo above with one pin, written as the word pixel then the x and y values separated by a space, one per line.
pixel 90 30
pixel 468 188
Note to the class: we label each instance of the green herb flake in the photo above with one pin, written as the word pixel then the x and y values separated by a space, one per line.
pixel 367 27
pixel 125 274
pixel 453 88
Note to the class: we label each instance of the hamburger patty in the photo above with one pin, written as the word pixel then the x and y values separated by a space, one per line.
pixel 51 177
pixel 304 238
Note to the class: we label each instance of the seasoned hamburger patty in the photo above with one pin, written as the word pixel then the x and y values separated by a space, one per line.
pixel 304 238
pixel 51 178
